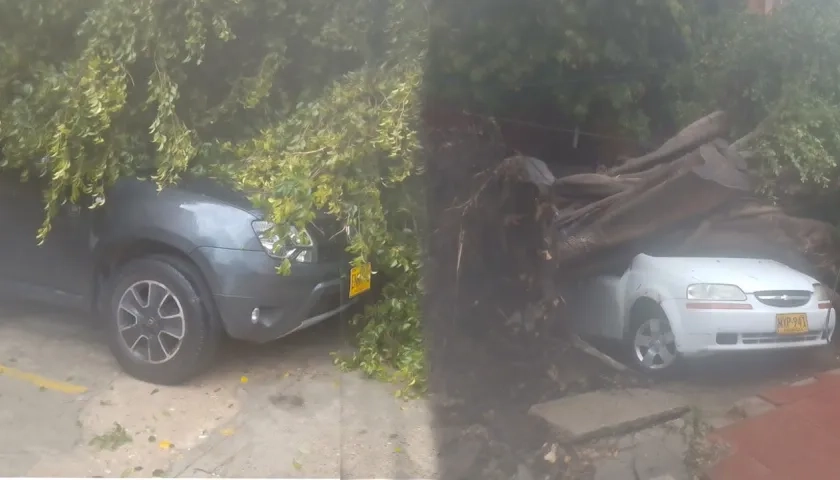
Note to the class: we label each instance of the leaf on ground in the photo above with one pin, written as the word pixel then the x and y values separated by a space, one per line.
pixel 158 473
pixel 164 445
pixel 112 439
pixel 297 465
pixel 551 456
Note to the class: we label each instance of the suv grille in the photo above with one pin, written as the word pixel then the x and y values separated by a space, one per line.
pixel 784 298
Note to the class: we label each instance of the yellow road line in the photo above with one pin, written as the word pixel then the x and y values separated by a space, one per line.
pixel 43 382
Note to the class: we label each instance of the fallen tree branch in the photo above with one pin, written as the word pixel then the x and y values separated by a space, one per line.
pixel 698 133
pixel 584 346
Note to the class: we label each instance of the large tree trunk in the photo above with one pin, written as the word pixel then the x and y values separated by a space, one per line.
pixel 698 133
pixel 690 196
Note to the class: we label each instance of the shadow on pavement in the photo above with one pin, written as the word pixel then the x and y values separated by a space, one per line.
pixel 51 323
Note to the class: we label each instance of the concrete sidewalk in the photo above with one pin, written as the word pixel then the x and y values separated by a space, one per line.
pixel 791 431
pixel 276 410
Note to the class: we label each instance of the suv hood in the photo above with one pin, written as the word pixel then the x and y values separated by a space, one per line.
pixel 217 191
pixel 325 226
pixel 751 275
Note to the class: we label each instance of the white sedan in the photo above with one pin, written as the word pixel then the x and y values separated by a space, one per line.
pixel 666 308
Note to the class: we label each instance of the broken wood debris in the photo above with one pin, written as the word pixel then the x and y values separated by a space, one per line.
pixel 692 196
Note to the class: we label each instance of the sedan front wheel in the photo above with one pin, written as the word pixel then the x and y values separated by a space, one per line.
pixel 653 347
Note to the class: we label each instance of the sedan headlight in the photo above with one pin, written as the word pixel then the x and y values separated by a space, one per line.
pixel 714 291
pixel 296 245
pixel 821 292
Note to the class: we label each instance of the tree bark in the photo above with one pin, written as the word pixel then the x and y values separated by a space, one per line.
pixel 699 132
pixel 691 195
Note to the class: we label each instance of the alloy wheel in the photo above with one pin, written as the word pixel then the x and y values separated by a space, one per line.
pixel 654 345
pixel 151 322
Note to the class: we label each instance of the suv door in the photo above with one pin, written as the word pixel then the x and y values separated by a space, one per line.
pixel 61 270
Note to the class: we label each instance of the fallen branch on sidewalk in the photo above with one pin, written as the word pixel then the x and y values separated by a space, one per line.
pixel 584 346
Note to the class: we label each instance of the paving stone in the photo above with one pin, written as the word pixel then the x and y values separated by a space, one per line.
pixel 804 381
pixel 618 468
pixel 753 407
pixel 595 414
pixel 651 433
pixel 677 443
pixel 797 439
pixel 626 441
pixel 786 394
pixel 739 467
pixel 652 459
pixel 720 422
pixel 460 460
pixel 658 458
pixel 523 473
pixel 792 444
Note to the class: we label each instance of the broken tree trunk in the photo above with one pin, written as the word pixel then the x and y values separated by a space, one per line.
pixel 691 195
pixel 698 184
pixel 699 132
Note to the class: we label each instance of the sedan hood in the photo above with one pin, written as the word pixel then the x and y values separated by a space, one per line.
pixel 751 275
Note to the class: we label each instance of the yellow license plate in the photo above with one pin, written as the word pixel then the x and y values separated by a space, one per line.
pixel 359 279
pixel 791 323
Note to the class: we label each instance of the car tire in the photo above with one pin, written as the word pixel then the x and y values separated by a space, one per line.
pixel 144 338
pixel 656 359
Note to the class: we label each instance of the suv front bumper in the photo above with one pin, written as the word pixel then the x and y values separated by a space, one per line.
pixel 257 304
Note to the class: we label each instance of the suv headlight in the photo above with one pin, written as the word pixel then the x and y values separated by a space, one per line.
pixel 714 291
pixel 296 245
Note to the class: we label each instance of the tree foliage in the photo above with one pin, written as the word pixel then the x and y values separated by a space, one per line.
pixel 310 105
pixel 98 88
pixel 591 60
pixel 777 75
pixel 314 106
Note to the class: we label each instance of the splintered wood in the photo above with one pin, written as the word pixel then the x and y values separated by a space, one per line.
pixel 692 196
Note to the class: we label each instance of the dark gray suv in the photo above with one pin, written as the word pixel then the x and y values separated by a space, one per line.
pixel 171 272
